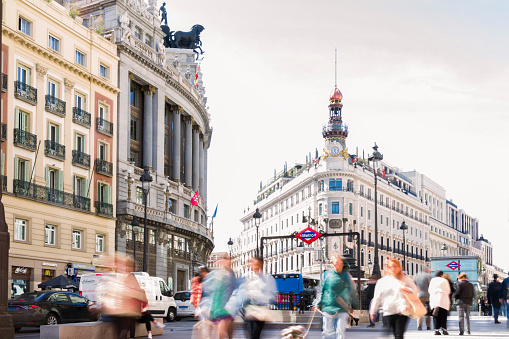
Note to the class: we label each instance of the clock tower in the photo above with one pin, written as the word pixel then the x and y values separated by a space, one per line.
pixel 335 133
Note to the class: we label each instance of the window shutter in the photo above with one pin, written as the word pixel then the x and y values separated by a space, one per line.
pixel 16 168
pixel 60 180
pixel 28 170
pixel 3 163
pixel 16 118
pixel 75 184
pixel 24 121
pixel 84 188
pixel 107 193
pixel 46 176
pixel 57 139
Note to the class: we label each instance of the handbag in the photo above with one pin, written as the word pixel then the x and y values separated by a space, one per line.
pixel 416 309
pixel 258 313
pixel 435 312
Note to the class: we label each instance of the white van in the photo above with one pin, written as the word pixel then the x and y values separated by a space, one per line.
pixel 160 301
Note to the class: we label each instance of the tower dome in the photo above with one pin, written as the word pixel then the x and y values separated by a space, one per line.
pixel 336 94
pixel 335 129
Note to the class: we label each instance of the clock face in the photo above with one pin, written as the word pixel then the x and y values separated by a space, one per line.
pixel 334 150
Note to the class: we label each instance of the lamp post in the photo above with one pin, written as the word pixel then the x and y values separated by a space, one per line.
pixel 146 180
pixel 370 265
pixel 404 227
pixel 135 224
pixel 375 159
pixel 230 244
pixel 257 216
pixel 444 249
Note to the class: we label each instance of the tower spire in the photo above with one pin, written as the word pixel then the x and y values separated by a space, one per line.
pixel 335 67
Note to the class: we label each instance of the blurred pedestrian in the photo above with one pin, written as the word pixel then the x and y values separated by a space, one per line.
pixel 389 292
pixel 422 281
pixel 439 300
pixel 493 291
pixel 196 286
pixel 333 299
pixel 464 295
pixel 147 319
pixel 503 296
pixel 369 291
pixel 451 286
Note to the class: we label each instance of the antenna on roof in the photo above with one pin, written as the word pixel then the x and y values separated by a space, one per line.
pixel 335 67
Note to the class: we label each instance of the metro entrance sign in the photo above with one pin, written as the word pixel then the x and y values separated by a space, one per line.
pixel 308 235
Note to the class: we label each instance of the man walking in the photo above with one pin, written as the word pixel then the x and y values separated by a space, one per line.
pixel 464 295
pixel 422 281
pixel 440 302
pixel 503 295
pixel 370 292
pixel 493 291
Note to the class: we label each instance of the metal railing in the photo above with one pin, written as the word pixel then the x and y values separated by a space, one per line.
pixel 4 132
pixel 104 167
pixel 81 117
pixel 46 194
pixel 55 105
pixel 54 149
pixel 25 92
pixel 24 138
pixel 4 82
pixel 4 183
pixel 80 158
pixel 104 126
pixel 103 208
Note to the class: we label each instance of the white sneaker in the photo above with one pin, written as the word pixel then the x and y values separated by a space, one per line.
pixel 149 336
pixel 159 325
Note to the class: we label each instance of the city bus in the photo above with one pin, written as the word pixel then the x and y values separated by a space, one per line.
pixel 294 288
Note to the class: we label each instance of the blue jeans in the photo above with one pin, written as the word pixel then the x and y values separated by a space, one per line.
pixel 334 326
pixel 496 310
pixel 506 306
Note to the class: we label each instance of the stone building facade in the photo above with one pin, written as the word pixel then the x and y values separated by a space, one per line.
pixel 163 124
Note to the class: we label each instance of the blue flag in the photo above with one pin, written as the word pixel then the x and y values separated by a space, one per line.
pixel 215 212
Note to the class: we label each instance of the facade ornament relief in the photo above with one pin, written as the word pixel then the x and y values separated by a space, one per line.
pixel 69 85
pixel 41 71
pixel 188 73
pixel 124 24
pixel 161 53
pixel 131 76
pixel 176 62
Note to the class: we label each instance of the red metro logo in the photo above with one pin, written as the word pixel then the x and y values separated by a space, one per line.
pixel 308 235
pixel 453 265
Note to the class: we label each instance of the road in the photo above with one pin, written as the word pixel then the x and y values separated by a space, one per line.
pixel 482 328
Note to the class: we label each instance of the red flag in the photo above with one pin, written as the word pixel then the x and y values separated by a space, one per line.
pixel 196 76
pixel 194 200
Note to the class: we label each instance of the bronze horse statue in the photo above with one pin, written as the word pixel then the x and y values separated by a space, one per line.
pixel 188 40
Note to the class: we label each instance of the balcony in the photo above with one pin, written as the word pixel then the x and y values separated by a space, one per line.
pixel 364 242
pixel 104 167
pixel 25 139
pixel 55 105
pixel 81 117
pixel 382 247
pixel 80 159
pixel 104 127
pixel 389 248
pixel 103 208
pixel 25 92
pixel 4 82
pixel 4 183
pixel 4 132
pixel 49 195
pixel 371 244
pixel 54 149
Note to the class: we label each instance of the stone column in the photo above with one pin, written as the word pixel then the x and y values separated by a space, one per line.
pixel 148 92
pixel 124 114
pixel 39 125
pixel 188 169
pixel 205 161
pixel 201 166
pixel 177 115
pixel 68 136
pixel 196 157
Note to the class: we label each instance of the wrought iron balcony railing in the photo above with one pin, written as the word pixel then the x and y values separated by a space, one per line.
pixel 364 242
pixel 80 159
pixel 50 195
pixel 4 82
pixel 26 139
pixel 25 92
pixel 104 167
pixel 371 244
pixel 55 105
pixel 81 117
pixel 104 126
pixel 4 183
pixel 103 208
pixel 54 149
pixel 4 132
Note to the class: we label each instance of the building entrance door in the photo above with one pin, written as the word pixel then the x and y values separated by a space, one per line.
pixel 181 275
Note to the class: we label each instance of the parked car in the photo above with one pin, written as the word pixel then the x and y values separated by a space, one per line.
pixel 49 308
pixel 184 306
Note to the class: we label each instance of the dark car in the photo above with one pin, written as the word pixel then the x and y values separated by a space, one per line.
pixel 49 308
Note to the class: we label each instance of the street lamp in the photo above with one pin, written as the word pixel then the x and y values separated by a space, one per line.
pixel 444 249
pixel 375 160
pixel 370 265
pixel 257 216
pixel 135 224
pixel 145 179
pixel 230 244
pixel 404 227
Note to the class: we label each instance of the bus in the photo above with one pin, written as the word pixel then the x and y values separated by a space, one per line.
pixel 295 289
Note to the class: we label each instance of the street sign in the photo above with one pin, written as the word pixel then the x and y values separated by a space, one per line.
pixel 308 235
pixel 453 265
pixel 302 249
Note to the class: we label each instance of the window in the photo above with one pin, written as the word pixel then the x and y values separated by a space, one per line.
pixel 25 26
pixel 99 243
pixel 335 208
pixel 134 129
pixel 103 151
pixel 103 112
pixel 186 211
pixel 49 238
pixel 24 74
pixel 76 299
pixel 137 32
pixel 20 229
pixel 139 195
pixel 22 170
pixel 80 186
pixel 148 40
pixel 362 211
pixel 320 209
pixel 332 185
pixel 350 208
pixel 103 193
pixel 80 58
pixel 103 71
pixel 79 101
pixel 54 43
pixel 369 214
pixel 79 143
pixel 76 239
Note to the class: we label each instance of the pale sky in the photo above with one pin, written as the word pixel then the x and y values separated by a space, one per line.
pixel 426 80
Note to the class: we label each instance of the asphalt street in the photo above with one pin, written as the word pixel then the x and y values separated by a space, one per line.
pixel 482 328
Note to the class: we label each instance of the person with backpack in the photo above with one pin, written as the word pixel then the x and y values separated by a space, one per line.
pixel 464 295
pixel 493 291
pixel 503 296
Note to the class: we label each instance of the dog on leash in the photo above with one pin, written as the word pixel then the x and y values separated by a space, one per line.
pixel 292 332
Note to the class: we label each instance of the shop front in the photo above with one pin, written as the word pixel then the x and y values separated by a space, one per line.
pixel 20 280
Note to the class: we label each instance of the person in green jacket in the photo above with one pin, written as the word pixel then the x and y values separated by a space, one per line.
pixel 333 299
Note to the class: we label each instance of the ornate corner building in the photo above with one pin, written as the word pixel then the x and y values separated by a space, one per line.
pixel 163 124
pixel 334 192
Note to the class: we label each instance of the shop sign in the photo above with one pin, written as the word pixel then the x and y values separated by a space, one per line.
pixel 335 223
pixel 49 264
pixel 84 267
pixel 48 273
pixel 22 270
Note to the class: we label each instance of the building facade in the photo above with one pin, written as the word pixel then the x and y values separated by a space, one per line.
pixel 59 99
pixel 163 125
pixel 335 193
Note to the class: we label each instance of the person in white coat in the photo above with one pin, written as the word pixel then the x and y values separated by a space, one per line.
pixel 439 301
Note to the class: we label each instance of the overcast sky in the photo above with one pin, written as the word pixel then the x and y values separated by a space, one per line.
pixel 426 80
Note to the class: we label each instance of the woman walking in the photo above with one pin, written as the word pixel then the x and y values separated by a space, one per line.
pixel 439 290
pixel 389 292
pixel 464 295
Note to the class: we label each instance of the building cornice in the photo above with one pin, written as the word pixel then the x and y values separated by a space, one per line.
pixel 57 59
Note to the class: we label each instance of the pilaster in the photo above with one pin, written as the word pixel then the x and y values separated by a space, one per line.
pixel 40 124
pixel 188 169
pixel 177 116
pixel 68 136
pixel 196 157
